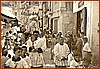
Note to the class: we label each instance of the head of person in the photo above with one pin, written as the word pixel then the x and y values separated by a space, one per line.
pixel 24 50
pixel 36 34
pixel 82 34
pixel 59 34
pixel 10 31
pixel 61 41
pixel 7 33
pixel 17 51
pixel 85 39
pixel 23 29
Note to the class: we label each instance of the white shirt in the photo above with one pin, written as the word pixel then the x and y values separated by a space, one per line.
pixel 19 64
pixel 29 44
pixel 60 51
pixel 70 58
pixel 73 64
pixel 86 47
pixel 43 43
pixel 40 43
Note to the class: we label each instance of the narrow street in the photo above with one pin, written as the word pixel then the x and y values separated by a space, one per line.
pixel 69 28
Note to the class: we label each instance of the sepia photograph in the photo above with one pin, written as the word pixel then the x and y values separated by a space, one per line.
pixel 49 34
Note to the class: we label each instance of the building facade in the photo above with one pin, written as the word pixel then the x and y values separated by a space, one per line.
pixel 62 18
pixel 27 12
pixel 86 18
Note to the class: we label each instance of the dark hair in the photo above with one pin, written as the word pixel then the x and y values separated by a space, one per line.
pixel 24 47
pixel 60 33
pixel 4 48
pixel 10 31
pixel 53 36
pixel 16 48
pixel 31 48
pixel 9 55
pixel 6 33
pixel 86 39
pixel 62 38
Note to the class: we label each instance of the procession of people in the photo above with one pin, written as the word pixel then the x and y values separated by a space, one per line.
pixel 26 46
pixel 23 49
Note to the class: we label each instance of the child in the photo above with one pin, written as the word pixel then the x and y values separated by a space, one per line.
pixel 25 56
pixel 16 61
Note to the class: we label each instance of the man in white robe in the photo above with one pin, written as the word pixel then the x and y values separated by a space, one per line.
pixel 37 55
pixel 61 51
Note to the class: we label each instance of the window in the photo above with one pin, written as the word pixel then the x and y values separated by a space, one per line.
pixel 56 25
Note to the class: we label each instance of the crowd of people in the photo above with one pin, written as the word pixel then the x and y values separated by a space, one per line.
pixel 21 49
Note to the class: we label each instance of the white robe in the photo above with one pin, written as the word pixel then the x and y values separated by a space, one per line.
pixel 37 58
pixel 59 52
pixel 27 59
pixel 20 64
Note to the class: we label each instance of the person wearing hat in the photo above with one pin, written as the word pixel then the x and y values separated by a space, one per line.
pixel 16 61
pixel 61 51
